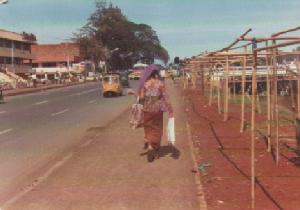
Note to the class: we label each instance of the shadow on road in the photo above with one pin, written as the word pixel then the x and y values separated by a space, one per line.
pixel 168 150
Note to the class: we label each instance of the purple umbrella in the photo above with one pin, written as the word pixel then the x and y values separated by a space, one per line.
pixel 146 74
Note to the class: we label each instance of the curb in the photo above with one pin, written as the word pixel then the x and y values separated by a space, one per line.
pixel 201 195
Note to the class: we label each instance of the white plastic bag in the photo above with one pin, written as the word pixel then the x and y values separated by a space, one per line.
pixel 171 130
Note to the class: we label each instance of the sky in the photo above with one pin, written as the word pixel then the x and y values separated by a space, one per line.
pixel 185 27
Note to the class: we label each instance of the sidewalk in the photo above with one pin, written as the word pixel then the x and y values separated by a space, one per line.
pixel 21 91
pixel 109 171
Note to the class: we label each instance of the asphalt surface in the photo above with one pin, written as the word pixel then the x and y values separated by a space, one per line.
pixel 37 128
pixel 109 171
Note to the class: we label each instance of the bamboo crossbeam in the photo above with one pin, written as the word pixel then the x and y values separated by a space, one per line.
pixel 237 40
pixel 234 43
pixel 278 45
pixel 288 53
pixel 240 54
pixel 286 31
pixel 269 38
pixel 239 47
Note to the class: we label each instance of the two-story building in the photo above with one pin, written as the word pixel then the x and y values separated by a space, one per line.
pixel 55 55
pixel 15 52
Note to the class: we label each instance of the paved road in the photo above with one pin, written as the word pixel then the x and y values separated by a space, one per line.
pixel 37 128
pixel 111 172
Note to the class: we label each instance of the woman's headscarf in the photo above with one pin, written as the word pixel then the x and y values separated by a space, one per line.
pixel 146 74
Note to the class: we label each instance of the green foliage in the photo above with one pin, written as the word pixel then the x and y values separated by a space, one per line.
pixel 108 29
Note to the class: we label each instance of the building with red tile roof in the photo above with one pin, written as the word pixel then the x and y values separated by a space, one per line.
pixel 55 55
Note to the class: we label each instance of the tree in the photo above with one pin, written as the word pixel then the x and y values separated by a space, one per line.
pixel 108 29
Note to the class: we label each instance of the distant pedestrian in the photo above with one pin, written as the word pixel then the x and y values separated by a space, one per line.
pixel 34 80
pixel 1 94
pixel 56 78
pixel 153 96
pixel 174 74
pixel 162 74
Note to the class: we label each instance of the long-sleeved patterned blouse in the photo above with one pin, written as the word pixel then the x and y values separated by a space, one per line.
pixel 154 97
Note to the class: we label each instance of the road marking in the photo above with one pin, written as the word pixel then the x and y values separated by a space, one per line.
pixel 85 92
pixel 90 102
pixel 37 181
pixel 2 112
pixel 60 112
pixel 41 102
pixel 5 131
pixel 85 144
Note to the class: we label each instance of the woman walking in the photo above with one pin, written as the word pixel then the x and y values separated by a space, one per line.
pixel 152 94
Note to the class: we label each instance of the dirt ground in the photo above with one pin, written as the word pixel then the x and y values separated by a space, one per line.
pixel 223 155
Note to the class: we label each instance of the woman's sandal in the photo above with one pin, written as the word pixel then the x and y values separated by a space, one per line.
pixel 146 145
pixel 151 155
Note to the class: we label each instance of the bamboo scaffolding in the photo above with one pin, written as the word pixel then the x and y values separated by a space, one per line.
pixel 270 54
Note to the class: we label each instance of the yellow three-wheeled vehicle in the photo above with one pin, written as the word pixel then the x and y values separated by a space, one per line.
pixel 111 85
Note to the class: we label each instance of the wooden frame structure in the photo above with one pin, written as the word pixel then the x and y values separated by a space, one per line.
pixel 206 65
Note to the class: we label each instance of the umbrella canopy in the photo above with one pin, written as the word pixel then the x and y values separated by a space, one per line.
pixel 146 74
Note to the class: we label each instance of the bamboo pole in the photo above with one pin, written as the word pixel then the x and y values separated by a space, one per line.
pixel 258 100
pixel 268 104
pixel 194 76
pixel 226 90
pixel 276 102
pixel 211 85
pixel 219 95
pixel 234 85
pixel 253 130
pixel 298 101
pixel 243 96
pixel 183 78
pixel 292 92
pixel 202 79
pixel 298 89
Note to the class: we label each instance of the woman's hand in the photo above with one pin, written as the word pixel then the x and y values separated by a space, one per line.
pixel 131 92
pixel 171 114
